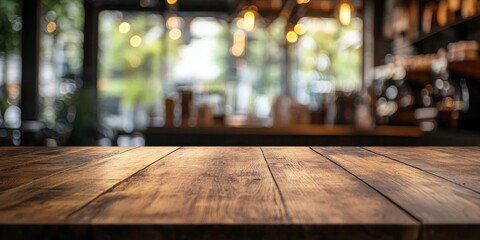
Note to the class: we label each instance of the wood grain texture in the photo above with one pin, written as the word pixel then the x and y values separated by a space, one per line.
pixel 52 161
pixel 51 199
pixel 316 191
pixel 194 185
pixel 21 156
pixel 240 193
pixel 469 153
pixel 459 165
pixel 8 152
pixel 434 201
pixel 309 183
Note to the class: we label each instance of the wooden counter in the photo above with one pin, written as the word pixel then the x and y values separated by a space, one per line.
pixel 240 193
pixel 298 135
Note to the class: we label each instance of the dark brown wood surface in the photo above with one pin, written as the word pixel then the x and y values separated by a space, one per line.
pixel 240 193
pixel 42 163
pixel 53 198
pixel 458 165
pixel 432 200
pixel 229 185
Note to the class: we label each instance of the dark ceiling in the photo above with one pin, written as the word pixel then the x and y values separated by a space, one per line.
pixel 269 9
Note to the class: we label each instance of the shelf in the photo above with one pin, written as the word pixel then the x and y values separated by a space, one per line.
pixel 418 77
pixel 468 68
pixel 438 30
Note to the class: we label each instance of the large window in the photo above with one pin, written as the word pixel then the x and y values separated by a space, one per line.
pixel 10 65
pixel 61 57
pixel 257 59
pixel 328 58
pixel 130 69
pixel 153 67
pixel 145 60
pixel 197 68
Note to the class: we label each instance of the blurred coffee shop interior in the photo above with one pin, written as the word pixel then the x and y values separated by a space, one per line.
pixel 239 72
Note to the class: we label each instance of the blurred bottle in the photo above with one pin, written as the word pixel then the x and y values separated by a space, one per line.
pixel 394 96
pixel 169 112
pixel 450 96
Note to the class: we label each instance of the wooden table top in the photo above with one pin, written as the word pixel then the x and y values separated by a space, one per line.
pixel 240 192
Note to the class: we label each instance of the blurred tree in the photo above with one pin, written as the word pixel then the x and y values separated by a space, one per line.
pixel 10 26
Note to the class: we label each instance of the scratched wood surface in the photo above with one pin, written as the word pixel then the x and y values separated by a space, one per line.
pixel 316 191
pixel 53 198
pixel 228 185
pixel 434 201
pixel 461 166
pixel 240 193
pixel 47 162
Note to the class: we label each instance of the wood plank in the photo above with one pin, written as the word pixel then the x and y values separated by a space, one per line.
pixel 33 154
pixel 51 199
pixel 459 165
pixel 194 185
pixel 470 152
pixel 49 162
pixel 438 203
pixel 8 152
pixel 316 191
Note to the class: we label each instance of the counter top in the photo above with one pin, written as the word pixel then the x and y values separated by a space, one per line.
pixel 299 135
pixel 240 192
pixel 300 129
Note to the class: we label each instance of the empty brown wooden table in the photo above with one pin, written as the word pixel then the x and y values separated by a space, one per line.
pixel 240 193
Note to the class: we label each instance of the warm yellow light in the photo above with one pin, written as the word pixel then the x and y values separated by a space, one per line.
pixel 303 1
pixel 175 34
pixel 171 2
pixel 240 23
pixel 135 61
pixel 345 13
pixel 442 13
pixel 51 27
pixel 454 5
pixel 238 36
pixel 124 27
pixel 291 36
pixel 135 41
pixel 173 22
pixel 299 29
pixel 249 21
pixel 238 48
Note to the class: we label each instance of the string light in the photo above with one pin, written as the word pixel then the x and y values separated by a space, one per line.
pixel 345 12
pixel 240 23
pixel 291 36
pixel 249 21
pixel 124 27
pixel 135 61
pixel 174 22
pixel 175 34
pixel 135 41
pixel 299 29
pixel 303 1
pixel 238 48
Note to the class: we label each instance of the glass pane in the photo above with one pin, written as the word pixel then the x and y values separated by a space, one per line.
pixel 10 70
pixel 329 58
pixel 61 58
pixel 130 69
pixel 255 81
pixel 196 69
